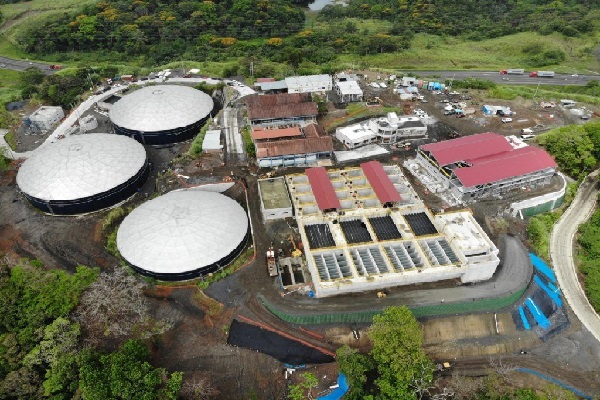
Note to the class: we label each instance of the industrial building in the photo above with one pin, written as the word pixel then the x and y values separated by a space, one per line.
pixel 291 145
pixel 274 198
pixel 281 109
pixel 84 173
pixel 44 118
pixel 183 234
pixel 162 114
pixel 481 165
pixel 347 88
pixel 385 130
pixel 364 228
pixel 309 83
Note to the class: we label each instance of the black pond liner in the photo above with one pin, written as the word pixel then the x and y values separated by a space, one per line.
pixel 283 349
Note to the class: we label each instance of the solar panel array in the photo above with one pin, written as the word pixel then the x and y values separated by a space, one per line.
pixel 420 224
pixel 356 231
pixel 385 228
pixel 319 236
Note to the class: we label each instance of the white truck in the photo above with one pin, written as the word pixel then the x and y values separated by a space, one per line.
pixel 542 74
pixel 512 71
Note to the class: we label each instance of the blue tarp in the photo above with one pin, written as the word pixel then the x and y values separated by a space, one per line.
pixel 541 266
pixel 524 318
pixel 338 393
pixel 553 295
pixel 540 318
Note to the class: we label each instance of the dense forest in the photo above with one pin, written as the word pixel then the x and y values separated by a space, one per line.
pixel 275 30
pixel 65 336
pixel 475 18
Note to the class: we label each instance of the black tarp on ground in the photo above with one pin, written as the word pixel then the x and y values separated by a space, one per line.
pixel 283 349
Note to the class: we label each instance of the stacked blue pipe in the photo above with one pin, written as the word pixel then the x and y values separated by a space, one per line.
pixel 541 266
pixel 540 318
pixel 551 293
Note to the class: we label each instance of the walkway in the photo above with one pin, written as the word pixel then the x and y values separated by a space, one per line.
pixel 562 243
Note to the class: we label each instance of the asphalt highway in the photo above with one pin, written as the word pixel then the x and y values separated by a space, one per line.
pixel 495 76
pixel 22 65
pixel 562 242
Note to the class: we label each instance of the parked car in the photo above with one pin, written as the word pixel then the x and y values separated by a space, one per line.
pixel 527 136
pixel 506 120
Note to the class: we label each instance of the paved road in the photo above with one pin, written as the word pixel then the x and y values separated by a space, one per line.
pixel 22 65
pixel 562 243
pixel 559 79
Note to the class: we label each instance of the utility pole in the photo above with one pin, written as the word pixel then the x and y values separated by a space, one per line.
pixel 252 69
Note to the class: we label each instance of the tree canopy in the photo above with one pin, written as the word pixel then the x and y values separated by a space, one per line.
pixel 397 361
pixel 576 148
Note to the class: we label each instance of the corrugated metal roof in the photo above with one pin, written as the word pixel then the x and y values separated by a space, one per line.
pixel 261 134
pixel 322 188
pixel 294 146
pixel 313 130
pixel 467 148
pixel 283 111
pixel 380 182
pixel 504 165
pixel 270 100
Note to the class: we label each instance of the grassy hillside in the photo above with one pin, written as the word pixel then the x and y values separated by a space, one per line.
pixel 436 52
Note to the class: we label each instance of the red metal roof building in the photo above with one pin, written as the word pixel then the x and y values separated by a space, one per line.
pixel 505 165
pixel 380 182
pixel 487 163
pixel 467 148
pixel 322 189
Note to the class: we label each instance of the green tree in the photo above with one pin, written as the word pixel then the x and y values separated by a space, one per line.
pixel 303 389
pixel 397 351
pixel 355 366
pixel 572 149
pixel 126 374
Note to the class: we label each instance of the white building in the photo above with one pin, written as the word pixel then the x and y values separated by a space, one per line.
pixel 274 199
pixel 309 83
pixel 212 141
pixel 348 91
pixel 354 136
pixel 45 117
pixel 409 81
pixel 385 130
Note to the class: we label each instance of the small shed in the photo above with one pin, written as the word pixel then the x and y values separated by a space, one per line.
pixel 212 141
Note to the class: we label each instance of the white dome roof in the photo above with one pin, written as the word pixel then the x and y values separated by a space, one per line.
pixel 161 108
pixel 182 231
pixel 80 166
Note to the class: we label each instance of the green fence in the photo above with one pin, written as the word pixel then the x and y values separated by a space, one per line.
pixel 478 305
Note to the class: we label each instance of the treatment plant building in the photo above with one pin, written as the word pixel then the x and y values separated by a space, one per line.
pixel 364 228
pixel 162 114
pixel 83 173
pixel 486 164
pixel 183 234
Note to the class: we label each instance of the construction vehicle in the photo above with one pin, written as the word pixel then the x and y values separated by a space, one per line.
pixel 512 71
pixel 296 252
pixel 271 263
pixel 542 74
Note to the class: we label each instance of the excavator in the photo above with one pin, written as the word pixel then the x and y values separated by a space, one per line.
pixel 296 252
